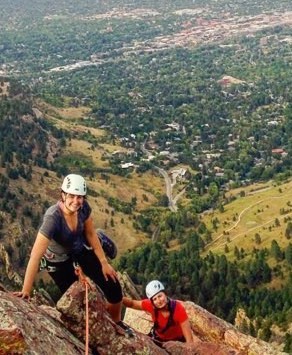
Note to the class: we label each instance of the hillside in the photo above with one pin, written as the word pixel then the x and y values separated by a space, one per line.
pixel 35 179
pixel 179 116
pixel 37 332
pixel 262 209
pixel 254 203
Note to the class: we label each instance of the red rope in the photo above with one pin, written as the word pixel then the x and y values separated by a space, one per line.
pixel 82 279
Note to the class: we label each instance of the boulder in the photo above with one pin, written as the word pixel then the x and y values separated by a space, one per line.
pixel 29 328
pixel 105 336
pixel 216 330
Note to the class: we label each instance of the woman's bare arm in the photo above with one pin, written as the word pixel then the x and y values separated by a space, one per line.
pixel 187 331
pixel 135 304
pixel 40 245
pixel 94 242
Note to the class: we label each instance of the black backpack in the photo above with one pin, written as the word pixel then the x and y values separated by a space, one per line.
pixel 107 244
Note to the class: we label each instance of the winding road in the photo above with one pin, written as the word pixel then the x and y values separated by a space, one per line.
pixel 168 185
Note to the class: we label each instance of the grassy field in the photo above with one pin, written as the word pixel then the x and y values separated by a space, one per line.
pixel 256 209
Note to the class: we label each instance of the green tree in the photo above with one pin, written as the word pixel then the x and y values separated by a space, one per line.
pixel 288 344
pixel 288 254
pixel 252 330
pixel 244 328
pixel 236 253
pixel 266 332
pixel 288 231
pixel 276 251
pixel 277 222
pixel 258 239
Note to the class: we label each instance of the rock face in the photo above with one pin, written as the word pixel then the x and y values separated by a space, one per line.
pixel 26 327
pixel 105 336
pixel 207 326
pixel 216 337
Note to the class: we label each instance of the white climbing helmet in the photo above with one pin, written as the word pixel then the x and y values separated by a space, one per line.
pixel 74 184
pixel 153 288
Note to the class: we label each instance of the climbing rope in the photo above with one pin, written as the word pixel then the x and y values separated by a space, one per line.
pixel 83 280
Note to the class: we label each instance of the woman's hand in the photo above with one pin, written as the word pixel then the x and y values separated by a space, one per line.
pixel 108 270
pixel 21 294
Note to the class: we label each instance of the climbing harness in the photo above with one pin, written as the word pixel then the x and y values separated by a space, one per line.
pixel 44 266
pixel 52 258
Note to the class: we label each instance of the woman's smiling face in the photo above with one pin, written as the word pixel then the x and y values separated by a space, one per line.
pixel 73 202
pixel 160 300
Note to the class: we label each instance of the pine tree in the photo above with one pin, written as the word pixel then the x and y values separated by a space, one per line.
pixel 288 254
pixel 288 231
pixel 252 330
pixel 258 238
pixel 288 344
pixel 276 251
pixel 243 327
pixel 277 222
pixel 266 333
pixel 237 253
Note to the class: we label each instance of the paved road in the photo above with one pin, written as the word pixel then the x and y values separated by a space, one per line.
pixel 168 189
pixel 168 186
